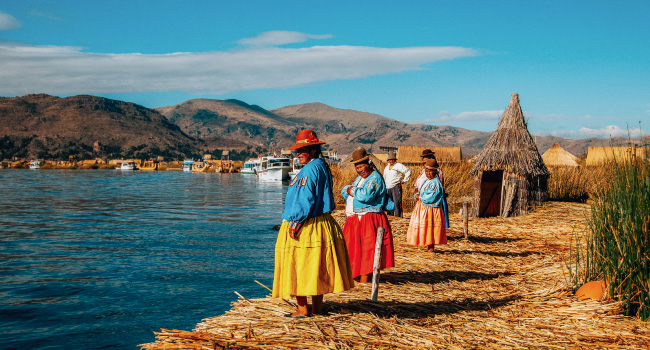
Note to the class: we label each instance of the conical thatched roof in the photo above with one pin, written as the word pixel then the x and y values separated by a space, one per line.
pixel 558 156
pixel 511 148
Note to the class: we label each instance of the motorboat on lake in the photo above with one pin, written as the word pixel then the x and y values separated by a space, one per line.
pixel 35 164
pixel 187 165
pixel 273 168
pixel 296 166
pixel 250 165
pixel 128 165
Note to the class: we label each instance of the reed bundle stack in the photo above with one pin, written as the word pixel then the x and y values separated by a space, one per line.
pixel 502 288
pixel 556 156
pixel 604 155
pixel 410 155
pixel 510 175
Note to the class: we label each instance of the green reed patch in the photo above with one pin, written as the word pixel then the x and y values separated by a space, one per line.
pixel 615 247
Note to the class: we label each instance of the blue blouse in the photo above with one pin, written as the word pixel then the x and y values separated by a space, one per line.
pixel 310 193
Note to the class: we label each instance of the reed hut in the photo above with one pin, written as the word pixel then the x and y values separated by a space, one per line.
pixel 603 155
pixel 509 174
pixel 556 156
pixel 410 155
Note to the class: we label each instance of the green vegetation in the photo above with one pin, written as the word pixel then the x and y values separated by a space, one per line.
pixel 615 247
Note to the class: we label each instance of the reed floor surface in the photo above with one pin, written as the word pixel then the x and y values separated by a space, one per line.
pixel 505 287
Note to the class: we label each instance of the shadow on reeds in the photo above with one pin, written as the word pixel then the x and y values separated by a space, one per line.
pixel 416 309
pixel 437 276
pixel 483 239
pixel 500 254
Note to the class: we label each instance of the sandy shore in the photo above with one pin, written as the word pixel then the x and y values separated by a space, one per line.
pixel 503 288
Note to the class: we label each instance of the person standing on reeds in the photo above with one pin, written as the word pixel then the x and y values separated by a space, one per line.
pixel 427 226
pixel 366 201
pixel 311 258
pixel 428 154
pixel 396 174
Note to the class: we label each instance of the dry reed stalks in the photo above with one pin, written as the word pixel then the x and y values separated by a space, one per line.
pixel 502 288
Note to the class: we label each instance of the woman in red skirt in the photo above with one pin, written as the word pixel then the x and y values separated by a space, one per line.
pixel 366 201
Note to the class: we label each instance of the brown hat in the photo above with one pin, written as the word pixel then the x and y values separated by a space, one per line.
pixel 430 164
pixel 304 138
pixel 392 155
pixel 427 152
pixel 359 156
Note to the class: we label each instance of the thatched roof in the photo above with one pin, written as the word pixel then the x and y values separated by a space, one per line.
pixel 411 154
pixel 511 148
pixel 558 156
pixel 382 156
pixel 603 155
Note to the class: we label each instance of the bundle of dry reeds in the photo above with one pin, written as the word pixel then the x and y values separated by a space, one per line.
pixel 502 288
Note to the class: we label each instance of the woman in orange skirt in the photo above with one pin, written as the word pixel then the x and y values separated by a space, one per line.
pixel 427 226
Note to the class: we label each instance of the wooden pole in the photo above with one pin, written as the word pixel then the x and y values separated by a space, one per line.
pixel 465 220
pixel 379 242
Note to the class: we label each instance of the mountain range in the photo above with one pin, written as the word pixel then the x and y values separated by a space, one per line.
pixel 45 126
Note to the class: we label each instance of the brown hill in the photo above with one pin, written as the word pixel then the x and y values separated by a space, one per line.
pixel 46 126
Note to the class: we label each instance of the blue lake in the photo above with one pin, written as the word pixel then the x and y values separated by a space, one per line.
pixel 100 259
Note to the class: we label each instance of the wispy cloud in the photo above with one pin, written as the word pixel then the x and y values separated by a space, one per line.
pixel 8 22
pixel 69 70
pixel 281 37
pixel 45 14
pixel 605 132
pixel 468 117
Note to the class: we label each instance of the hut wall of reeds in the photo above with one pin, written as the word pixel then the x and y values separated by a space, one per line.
pixel 509 174
pixel 603 155
pixel 556 156
pixel 410 155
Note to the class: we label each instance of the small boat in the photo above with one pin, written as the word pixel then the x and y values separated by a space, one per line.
pixel 128 165
pixel 250 165
pixel 272 168
pixel 187 165
pixel 296 168
pixel 35 164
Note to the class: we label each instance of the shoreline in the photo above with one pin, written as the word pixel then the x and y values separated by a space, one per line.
pixel 503 288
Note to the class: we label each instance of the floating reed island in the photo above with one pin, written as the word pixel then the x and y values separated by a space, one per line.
pixel 504 287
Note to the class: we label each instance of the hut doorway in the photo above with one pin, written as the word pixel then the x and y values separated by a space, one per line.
pixel 490 198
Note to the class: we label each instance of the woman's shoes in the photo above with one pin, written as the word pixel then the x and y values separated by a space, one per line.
pixel 297 316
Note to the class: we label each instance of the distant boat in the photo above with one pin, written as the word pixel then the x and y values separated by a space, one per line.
pixel 250 165
pixel 296 168
pixel 35 164
pixel 274 169
pixel 128 165
pixel 187 165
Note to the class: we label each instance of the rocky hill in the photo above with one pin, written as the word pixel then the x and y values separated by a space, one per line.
pixel 46 126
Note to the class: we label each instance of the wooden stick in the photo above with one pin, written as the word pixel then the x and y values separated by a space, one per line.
pixel 379 242
pixel 465 220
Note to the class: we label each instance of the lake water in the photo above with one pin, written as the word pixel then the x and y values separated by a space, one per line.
pixel 100 259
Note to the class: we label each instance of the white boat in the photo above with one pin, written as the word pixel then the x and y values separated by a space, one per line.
pixel 128 165
pixel 250 165
pixel 296 168
pixel 35 164
pixel 274 169
pixel 187 165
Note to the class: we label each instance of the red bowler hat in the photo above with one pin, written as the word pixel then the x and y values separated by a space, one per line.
pixel 304 138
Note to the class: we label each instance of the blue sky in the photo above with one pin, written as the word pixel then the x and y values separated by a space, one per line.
pixel 581 68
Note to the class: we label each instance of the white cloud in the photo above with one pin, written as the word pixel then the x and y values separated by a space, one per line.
pixel 69 70
pixel 280 37
pixel 469 117
pixel 602 133
pixel 8 22
pixel 45 14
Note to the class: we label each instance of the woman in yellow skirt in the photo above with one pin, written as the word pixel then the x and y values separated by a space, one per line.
pixel 311 258
pixel 427 226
